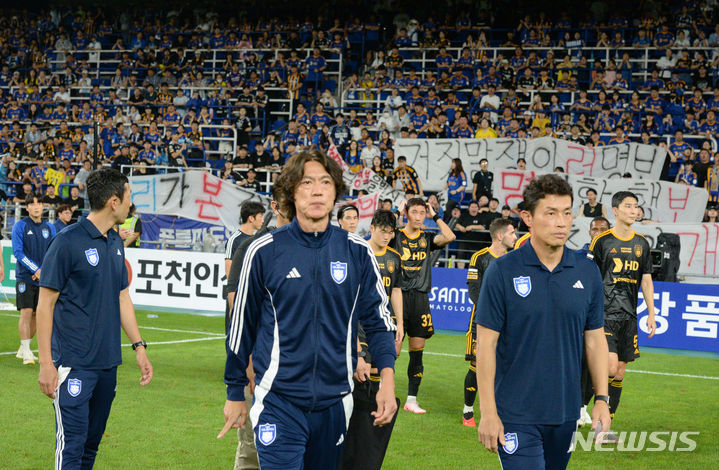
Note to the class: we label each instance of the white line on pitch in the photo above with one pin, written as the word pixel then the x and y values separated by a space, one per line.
pixel 154 343
pixel 668 374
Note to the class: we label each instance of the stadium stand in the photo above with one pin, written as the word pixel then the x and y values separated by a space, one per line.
pixel 158 91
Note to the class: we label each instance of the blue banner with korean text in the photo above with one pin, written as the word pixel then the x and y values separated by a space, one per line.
pixel 179 232
pixel 687 315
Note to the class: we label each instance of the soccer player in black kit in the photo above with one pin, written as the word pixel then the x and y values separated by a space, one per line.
pixel 415 246
pixel 625 262
pixel 366 444
pixel 503 238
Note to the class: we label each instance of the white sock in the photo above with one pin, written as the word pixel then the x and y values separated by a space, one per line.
pixel 411 399
pixel 25 344
pixel 468 409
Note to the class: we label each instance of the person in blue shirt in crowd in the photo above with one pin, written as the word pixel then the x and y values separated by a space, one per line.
pixel 84 300
pixel 456 185
pixel 530 335
pixel 304 352
pixel 64 217
pixel 31 237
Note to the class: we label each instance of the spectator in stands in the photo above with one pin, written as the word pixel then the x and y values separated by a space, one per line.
pixel 64 217
pixel 51 198
pixel 711 183
pixel 712 215
pixel 686 174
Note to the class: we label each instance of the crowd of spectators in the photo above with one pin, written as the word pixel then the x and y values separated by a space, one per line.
pixel 79 86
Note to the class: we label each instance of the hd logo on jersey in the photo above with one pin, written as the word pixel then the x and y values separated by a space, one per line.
pixel 338 270
pixel 522 285
pixel 511 443
pixel 45 233
pixel 92 257
pixel 267 433
pixel 74 387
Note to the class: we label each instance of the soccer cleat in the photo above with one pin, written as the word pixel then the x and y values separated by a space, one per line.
pixel 414 408
pixel 468 420
pixel 584 418
pixel 28 358
pixel 609 438
pixel 19 353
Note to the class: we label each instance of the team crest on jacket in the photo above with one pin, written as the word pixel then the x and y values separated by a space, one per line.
pixel 522 285
pixel 338 270
pixel 267 433
pixel 45 233
pixel 92 257
pixel 74 387
pixel 511 442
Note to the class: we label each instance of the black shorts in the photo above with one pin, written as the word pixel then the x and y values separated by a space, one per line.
pixel 26 295
pixel 417 314
pixel 622 338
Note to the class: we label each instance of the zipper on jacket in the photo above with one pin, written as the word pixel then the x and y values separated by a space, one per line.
pixel 314 319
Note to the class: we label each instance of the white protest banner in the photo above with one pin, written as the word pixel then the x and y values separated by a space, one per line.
pixel 431 158
pixel 194 194
pixel 177 279
pixel 366 206
pixel 661 201
pixel 699 243
pixel 371 182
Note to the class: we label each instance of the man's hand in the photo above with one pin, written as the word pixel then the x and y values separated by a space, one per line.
pixel 652 325
pixel 362 371
pixel 430 211
pixel 398 337
pixel 600 414
pixel 235 416
pixel 48 379
pixel 36 276
pixel 125 233
pixel 491 431
pixel 145 367
pixel 386 401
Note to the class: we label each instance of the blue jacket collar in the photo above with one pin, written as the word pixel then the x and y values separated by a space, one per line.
pixel 310 239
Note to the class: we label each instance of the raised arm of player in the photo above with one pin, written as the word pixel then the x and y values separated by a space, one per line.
pixel 648 292
pixel 446 235
pixel 45 311
pixel 129 324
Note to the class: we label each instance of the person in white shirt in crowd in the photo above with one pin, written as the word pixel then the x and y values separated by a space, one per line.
pixel 369 152
pixel 490 101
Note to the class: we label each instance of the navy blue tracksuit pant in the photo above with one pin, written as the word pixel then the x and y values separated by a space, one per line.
pixel 536 447
pixel 288 438
pixel 82 405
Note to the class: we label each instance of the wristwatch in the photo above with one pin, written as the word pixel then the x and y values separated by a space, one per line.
pixel 603 398
pixel 362 354
pixel 138 344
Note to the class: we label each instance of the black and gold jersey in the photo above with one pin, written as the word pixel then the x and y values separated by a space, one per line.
pixel 390 268
pixel 477 267
pixel 622 263
pixel 414 252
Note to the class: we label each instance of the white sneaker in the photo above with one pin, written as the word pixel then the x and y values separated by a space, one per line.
pixel 19 353
pixel 584 418
pixel 28 357
pixel 414 408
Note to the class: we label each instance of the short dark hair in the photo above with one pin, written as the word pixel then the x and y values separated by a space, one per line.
pixel 31 196
pixel 293 172
pixel 600 218
pixel 415 201
pixel 401 158
pixel 498 225
pixel 63 207
pixel 347 207
pixel 621 196
pixel 542 186
pixel 592 190
pixel 384 219
pixel 249 209
pixel 102 184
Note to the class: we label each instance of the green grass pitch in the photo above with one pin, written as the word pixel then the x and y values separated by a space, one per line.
pixel 173 422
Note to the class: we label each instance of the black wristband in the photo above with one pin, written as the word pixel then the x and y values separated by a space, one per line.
pixel 603 398
pixel 435 218
pixel 138 344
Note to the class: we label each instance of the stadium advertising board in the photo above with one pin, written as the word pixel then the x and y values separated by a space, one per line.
pixel 194 194
pixel 662 201
pixel 431 157
pixel 687 315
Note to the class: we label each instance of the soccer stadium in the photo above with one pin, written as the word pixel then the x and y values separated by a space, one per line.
pixel 359 235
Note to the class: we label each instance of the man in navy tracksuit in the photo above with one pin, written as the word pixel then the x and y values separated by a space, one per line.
pixel 302 290
pixel 30 238
pixel 84 300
